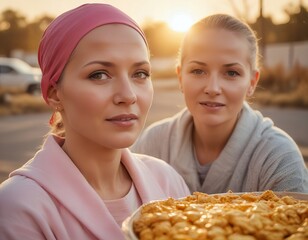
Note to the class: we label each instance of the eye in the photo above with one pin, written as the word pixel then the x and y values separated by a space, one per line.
pixel 232 73
pixel 141 75
pixel 99 75
pixel 197 72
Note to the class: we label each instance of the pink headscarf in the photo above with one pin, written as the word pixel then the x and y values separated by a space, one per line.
pixel 63 34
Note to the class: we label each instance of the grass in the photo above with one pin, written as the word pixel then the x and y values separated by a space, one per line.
pixel 21 104
pixel 297 98
pixel 282 88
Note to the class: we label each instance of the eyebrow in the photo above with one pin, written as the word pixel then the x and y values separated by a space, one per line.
pixel 232 64
pixel 110 64
pixel 225 65
pixel 198 62
pixel 138 64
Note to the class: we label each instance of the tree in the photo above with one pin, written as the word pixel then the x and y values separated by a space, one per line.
pixel 34 32
pixel 12 31
pixel 17 33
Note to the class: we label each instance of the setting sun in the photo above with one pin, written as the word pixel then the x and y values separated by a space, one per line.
pixel 180 22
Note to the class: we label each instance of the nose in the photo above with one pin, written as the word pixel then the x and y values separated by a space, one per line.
pixel 125 93
pixel 212 87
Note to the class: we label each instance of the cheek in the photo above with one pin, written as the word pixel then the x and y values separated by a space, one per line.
pixel 91 101
pixel 84 101
pixel 237 92
pixel 192 86
pixel 145 97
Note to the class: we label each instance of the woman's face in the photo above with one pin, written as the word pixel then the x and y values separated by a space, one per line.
pixel 216 76
pixel 106 90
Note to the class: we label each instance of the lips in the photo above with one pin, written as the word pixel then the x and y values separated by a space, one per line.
pixel 212 104
pixel 123 118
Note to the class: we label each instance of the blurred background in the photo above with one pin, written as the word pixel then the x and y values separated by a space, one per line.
pixel 281 26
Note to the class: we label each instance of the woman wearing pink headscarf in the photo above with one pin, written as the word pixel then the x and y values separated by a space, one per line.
pixel 84 181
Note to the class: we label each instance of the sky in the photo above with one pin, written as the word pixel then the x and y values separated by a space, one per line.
pixel 144 11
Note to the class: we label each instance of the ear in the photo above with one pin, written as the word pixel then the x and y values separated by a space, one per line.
pixel 178 72
pixel 53 98
pixel 253 83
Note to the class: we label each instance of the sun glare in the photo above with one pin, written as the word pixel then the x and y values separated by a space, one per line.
pixel 180 22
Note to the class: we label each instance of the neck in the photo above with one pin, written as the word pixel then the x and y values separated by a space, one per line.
pixel 209 141
pixel 102 168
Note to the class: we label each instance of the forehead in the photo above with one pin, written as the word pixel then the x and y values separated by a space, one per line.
pixel 112 40
pixel 112 34
pixel 216 41
pixel 114 30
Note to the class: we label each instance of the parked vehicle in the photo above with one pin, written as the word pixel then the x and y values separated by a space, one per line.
pixel 18 76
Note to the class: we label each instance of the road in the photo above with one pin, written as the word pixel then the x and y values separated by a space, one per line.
pixel 21 136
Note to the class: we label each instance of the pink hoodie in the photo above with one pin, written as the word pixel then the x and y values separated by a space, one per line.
pixel 48 198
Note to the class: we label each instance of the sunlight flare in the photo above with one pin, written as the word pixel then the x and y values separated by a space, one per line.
pixel 180 22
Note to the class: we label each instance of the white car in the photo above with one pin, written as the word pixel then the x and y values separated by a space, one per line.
pixel 18 76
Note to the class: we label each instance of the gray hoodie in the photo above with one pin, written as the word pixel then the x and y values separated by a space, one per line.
pixel 258 156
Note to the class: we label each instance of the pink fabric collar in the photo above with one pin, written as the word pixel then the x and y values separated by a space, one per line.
pixel 55 172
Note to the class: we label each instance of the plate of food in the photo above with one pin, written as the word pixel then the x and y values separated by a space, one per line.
pixel 264 215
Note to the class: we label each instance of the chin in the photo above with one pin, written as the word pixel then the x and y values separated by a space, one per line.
pixel 212 120
pixel 125 143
